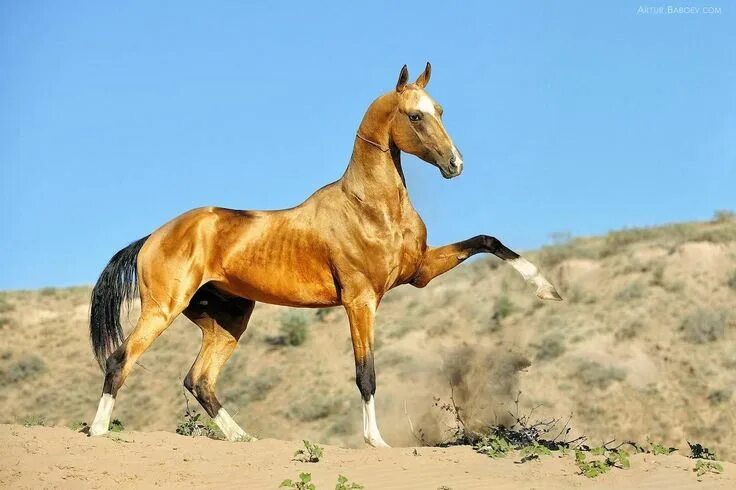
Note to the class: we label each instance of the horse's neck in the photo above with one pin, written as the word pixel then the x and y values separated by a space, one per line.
pixel 374 176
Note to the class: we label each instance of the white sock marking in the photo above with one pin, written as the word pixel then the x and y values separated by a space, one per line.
pixel 229 427
pixel 530 273
pixel 104 413
pixel 370 427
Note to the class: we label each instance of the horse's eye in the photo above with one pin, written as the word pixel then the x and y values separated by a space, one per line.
pixel 415 117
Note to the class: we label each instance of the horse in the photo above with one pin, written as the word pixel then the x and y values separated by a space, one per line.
pixel 347 245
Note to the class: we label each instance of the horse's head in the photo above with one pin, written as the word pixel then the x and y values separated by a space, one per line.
pixel 417 127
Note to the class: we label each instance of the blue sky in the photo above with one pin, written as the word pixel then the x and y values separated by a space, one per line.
pixel 572 116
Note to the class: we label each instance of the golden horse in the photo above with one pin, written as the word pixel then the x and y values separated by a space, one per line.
pixel 347 245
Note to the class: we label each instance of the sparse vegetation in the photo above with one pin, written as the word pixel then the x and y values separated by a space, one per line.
pixel 344 484
pixel 658 449
pixel 706 459
pixel 731 283
pixel 698 451
pixel 608 458
pixel 718 397
pixel 551 347
pixel 116 426
pixel 293 330
pixel 5 305
pixel 79 426
pixel 310 454
pixel 703 467
pixel 257 388
pixel 628 331
pixel 704 326
pixel 47 292
pixel 313 407
pixel 193 425
pixel 22 369
pixel 502 309
pixel 595 375
pixel 633 291
pixel 34 420
pixel 303 483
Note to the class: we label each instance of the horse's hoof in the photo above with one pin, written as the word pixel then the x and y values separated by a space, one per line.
pixel 96 431
pixel 245 437
pixel 549 292
pixel 376 442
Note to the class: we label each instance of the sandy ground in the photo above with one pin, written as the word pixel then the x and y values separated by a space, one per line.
pixel 45 457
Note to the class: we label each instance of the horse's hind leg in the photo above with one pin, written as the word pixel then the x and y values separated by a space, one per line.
pixel 222 320
pixel 156 316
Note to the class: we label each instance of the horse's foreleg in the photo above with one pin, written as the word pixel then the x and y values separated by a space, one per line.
pixel 439 260
pixel 361 314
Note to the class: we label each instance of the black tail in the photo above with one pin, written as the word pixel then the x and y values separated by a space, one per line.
pixel 117 283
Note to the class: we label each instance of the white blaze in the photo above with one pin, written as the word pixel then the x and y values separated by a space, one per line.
pixel 426 105
pixel 102 419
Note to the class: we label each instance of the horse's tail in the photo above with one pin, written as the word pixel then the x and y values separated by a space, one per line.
pixel 117 283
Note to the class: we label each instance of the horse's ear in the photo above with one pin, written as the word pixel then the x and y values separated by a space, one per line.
pixel 423 79
pixel 403 78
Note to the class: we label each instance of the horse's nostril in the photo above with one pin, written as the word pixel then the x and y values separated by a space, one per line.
pixel 453 162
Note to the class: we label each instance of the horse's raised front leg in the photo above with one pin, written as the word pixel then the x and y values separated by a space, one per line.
pixel 439 260
pixel 361 314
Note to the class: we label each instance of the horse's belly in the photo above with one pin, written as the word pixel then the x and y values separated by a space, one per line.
pixel 297 286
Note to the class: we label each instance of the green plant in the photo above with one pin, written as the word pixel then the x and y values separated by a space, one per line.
pixel 194 426
pixel 310 454
pixel 293 330
pixel 614 458
pixel 704 326
pixel 47 292
pixel 344 484
pixel 304 482
pixel 116 426
pixel 79 426
pixel 34 420
pixel 703 466
pixel 534 451
pixel 698 451
pixel 659 449
pixel 493 446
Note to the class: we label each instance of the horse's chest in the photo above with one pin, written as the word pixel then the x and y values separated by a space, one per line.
pixel 407 252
